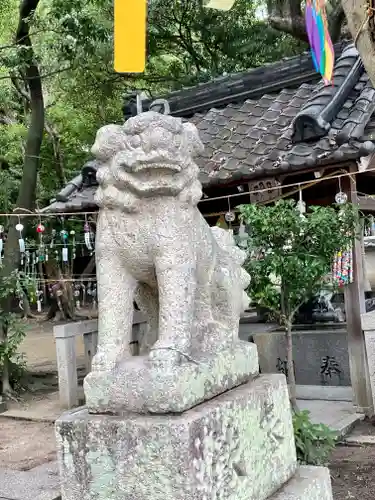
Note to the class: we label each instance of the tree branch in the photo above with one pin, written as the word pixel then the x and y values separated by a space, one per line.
pixel 56 144
pixel 360 26
pixel 335 22
pixel 23 93
pixel 19 42
pixel 290 19
pixel 292 26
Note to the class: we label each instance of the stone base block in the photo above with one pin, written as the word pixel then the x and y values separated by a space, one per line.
pixel 309 483
pixel 238 446
pixel 141 386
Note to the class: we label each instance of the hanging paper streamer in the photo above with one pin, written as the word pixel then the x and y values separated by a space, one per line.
pixel 88 237
pixel 73 235
pixel 130 24
pixel 301 205
pixel 39 297
pixel 242 235
pixel 1 243
pixel 322 50
pixel 64 251
pixel 77 295
pixel 41 253
pixel 342 269
pixel 21 241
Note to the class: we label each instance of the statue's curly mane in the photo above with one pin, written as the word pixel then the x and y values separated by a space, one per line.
pixel 150 155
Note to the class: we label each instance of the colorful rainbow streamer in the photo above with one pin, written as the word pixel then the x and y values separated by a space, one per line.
pixel 322 50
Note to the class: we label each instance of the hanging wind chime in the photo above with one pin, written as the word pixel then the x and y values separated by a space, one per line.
pixel 342 268
pixel 64 235
pixel 42 254
pixel 322 51
pixel 301 205
pixel 230 216
pixel 89 236
pixel 21 241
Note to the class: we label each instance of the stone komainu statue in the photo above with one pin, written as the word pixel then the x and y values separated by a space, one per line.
pixel 154 246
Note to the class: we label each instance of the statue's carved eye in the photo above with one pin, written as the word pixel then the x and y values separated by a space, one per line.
pixel 135 141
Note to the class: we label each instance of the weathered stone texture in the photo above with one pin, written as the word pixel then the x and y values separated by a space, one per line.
pixel 153 245
pixel 152 390
pixel 238 446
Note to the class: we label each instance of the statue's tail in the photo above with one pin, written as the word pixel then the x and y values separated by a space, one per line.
pixel 236 257
pixel 224 238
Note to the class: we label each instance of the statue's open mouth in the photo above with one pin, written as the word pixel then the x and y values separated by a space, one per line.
pixel 162 164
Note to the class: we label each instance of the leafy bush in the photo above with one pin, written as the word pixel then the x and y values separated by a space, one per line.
pixel 314 442
pixel 12 333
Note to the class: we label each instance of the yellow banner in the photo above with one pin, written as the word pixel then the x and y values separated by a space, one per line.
pixel 130 35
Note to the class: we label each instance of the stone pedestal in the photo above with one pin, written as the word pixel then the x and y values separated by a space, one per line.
pixel 207 375
pixel 239 445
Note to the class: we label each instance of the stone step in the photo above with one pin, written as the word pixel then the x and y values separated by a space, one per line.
pixel 309 483
pixel 340 416
pixel 40 483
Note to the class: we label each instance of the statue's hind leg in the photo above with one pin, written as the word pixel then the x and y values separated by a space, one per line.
pixel 147 301
pixel 177 293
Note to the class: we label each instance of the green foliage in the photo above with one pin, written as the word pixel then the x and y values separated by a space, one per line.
pixel 202 43
pixel 314 442
pixel 11 286
pixel 291 255
pixel 73 45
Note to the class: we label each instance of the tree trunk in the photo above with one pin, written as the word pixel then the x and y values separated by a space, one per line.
pixel 290 364
pixel 287 321
pixel 361 25
pixel 287 16
pixel 63 298
pixel 26 194
pixel 5 382
pixel 26 307
pixel 27 191
pixel 58 155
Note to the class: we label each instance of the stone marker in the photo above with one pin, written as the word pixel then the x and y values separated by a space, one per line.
pixel 190 418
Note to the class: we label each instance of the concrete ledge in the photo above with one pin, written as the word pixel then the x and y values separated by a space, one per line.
pixel 340 416
pixel 76 329
pixel 79 328
pixel 360 440
pixel 325 392
pixel 309 483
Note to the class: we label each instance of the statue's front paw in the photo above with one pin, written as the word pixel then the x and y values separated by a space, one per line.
pixel 165 356
pixel 104 362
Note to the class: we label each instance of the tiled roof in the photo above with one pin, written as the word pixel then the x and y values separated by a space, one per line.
pixel 251 84
pixel 294 129
pixel 285 131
